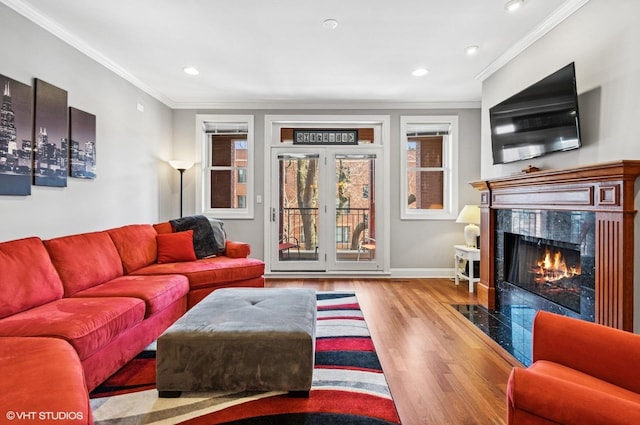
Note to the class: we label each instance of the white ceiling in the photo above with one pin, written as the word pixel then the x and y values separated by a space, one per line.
pixel 259 53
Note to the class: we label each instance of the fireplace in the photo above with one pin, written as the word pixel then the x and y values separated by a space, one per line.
pixel 545 260
pixel 588 213
pixel 550 269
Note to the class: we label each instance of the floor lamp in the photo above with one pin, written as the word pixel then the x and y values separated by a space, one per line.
pixel 181 166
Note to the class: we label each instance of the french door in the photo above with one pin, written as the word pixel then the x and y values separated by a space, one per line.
pixel 323 214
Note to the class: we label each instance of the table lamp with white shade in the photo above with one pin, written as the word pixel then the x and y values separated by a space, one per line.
pixel 181 166
pixel 470 214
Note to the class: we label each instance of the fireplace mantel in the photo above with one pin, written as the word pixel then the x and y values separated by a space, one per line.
pixel 606 189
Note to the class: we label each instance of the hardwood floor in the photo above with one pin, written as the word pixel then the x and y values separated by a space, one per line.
pixel 440 368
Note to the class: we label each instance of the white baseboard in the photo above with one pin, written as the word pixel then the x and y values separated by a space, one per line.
pixel 446 273
pixel 325 275
pixel 422 273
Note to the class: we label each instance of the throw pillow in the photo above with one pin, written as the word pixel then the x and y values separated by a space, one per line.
pixel 176 247
pixel 219 235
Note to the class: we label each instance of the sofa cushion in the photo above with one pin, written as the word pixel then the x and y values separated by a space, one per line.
pixel 157 292
pixel 175 247
pixel 136 245
pixel 27 276
pixel 84 260
pixel 88 324
pixel 43 375
pixel 210 271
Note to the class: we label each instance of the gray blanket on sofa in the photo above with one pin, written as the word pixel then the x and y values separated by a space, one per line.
pixel 204 242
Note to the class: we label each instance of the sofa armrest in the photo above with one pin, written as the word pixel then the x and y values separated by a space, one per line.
pixel 41 376
pixel 237 249
pixel 555 400
pixel 600 351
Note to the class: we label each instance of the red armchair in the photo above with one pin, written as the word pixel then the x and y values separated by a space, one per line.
pixel 582 373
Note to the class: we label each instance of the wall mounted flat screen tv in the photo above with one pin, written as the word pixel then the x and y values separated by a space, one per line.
pixel 541 119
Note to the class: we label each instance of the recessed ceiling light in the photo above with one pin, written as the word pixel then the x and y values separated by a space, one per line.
pixel 420 72
pixel 513 5
pixel 472 50
pixel 330 24
pixel 191 70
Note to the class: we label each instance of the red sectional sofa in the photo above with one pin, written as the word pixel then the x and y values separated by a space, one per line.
pixel 96 300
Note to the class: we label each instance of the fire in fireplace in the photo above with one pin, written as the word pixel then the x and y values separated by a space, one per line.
pixel 553 268
pixel 548 268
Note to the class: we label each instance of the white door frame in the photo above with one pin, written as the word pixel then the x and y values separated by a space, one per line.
pixel 381 124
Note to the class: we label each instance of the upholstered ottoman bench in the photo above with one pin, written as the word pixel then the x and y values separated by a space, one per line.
pixel 241 339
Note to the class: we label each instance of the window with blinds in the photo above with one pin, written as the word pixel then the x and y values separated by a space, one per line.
pixel 428 144
pixel 227 172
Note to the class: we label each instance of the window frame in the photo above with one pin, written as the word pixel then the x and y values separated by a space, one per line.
pixel 203 182
pixel 450 177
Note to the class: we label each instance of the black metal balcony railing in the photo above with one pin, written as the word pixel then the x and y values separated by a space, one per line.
pixel 301 223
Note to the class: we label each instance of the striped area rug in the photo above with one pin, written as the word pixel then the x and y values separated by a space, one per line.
pixel 349 386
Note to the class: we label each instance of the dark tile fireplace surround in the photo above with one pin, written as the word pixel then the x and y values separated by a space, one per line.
pixel 560 240
pixel 545 260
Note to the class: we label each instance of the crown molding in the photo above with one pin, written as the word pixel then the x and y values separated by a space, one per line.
pixel 63 34
pixel 270 105
pixel 552 21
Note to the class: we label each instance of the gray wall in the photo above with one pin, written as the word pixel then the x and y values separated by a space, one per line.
pixel 414 244
pixel 134 184
pixel 602 39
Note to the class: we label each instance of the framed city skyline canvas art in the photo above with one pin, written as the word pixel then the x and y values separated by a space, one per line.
pixel 82 146
pixel 51 150
pixel 16 130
